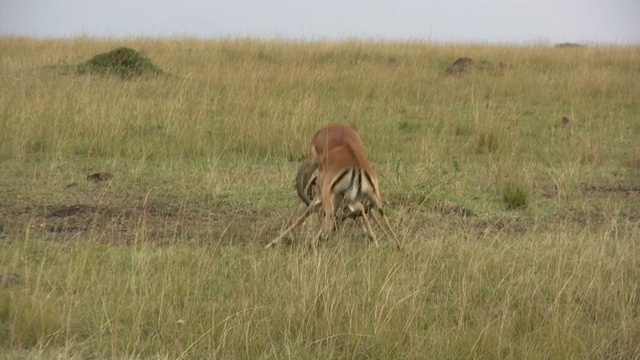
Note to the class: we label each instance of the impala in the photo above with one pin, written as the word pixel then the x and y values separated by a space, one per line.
pixel 307 176
pixel 338 179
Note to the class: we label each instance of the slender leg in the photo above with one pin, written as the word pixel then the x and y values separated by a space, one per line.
pixel 368 229
pixel 358 208
pixel 328 220
pixel 311 208
pixel 386 220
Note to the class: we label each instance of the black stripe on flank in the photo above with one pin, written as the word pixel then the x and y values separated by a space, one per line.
pixel 342 175
pixel 355 176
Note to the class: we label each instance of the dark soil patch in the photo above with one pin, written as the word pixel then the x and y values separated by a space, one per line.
pixel 622 189
pixel 69 210
pixel 99 176
pixel 120 222
pixel 133 219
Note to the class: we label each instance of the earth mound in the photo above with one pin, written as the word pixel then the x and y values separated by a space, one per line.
pixel 124 62
pixel 459 66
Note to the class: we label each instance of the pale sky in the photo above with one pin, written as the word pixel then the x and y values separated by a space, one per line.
pixel 484 21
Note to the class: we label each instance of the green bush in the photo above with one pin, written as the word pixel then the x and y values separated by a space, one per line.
pixel 124 62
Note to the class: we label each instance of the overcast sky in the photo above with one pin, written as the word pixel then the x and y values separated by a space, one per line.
pixel 486 21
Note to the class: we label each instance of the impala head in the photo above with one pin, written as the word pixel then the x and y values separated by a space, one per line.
pixel 337 178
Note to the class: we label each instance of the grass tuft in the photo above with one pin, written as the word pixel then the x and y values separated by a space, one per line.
pixel 515 196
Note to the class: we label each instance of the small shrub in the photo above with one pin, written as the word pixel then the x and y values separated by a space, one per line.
pixel 124 62
pixel 515 196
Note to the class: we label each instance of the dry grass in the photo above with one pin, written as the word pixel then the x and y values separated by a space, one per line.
pixel 164 259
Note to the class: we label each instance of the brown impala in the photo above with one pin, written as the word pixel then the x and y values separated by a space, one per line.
pixel 338 179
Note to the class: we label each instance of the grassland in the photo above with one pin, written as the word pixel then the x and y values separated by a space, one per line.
pixel 514 186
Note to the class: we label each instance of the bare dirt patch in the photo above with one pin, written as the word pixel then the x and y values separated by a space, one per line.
pixel 69 210
pixel 99 176
pixel 126 219
pixel 610 189
pixel 118 222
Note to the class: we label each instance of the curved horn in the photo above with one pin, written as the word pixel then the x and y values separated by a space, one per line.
pixel 304 181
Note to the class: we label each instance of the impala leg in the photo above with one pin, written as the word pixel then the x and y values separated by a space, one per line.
pixel 328 219
pixel 387 229
pixel 311 208
pixel 386 221
pixel 359 209
pixel 368 229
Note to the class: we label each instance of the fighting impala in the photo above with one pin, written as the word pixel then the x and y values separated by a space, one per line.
pixel 337 179
pixel 306 179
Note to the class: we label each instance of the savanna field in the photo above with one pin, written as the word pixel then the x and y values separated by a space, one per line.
pixel 134 210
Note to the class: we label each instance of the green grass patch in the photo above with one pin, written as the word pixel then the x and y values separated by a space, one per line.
pixel 515 196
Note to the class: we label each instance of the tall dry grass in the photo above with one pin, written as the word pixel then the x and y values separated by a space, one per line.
pixel 167 260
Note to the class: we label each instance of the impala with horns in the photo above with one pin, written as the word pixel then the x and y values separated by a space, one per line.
pixel 307 176
pixel 338 179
